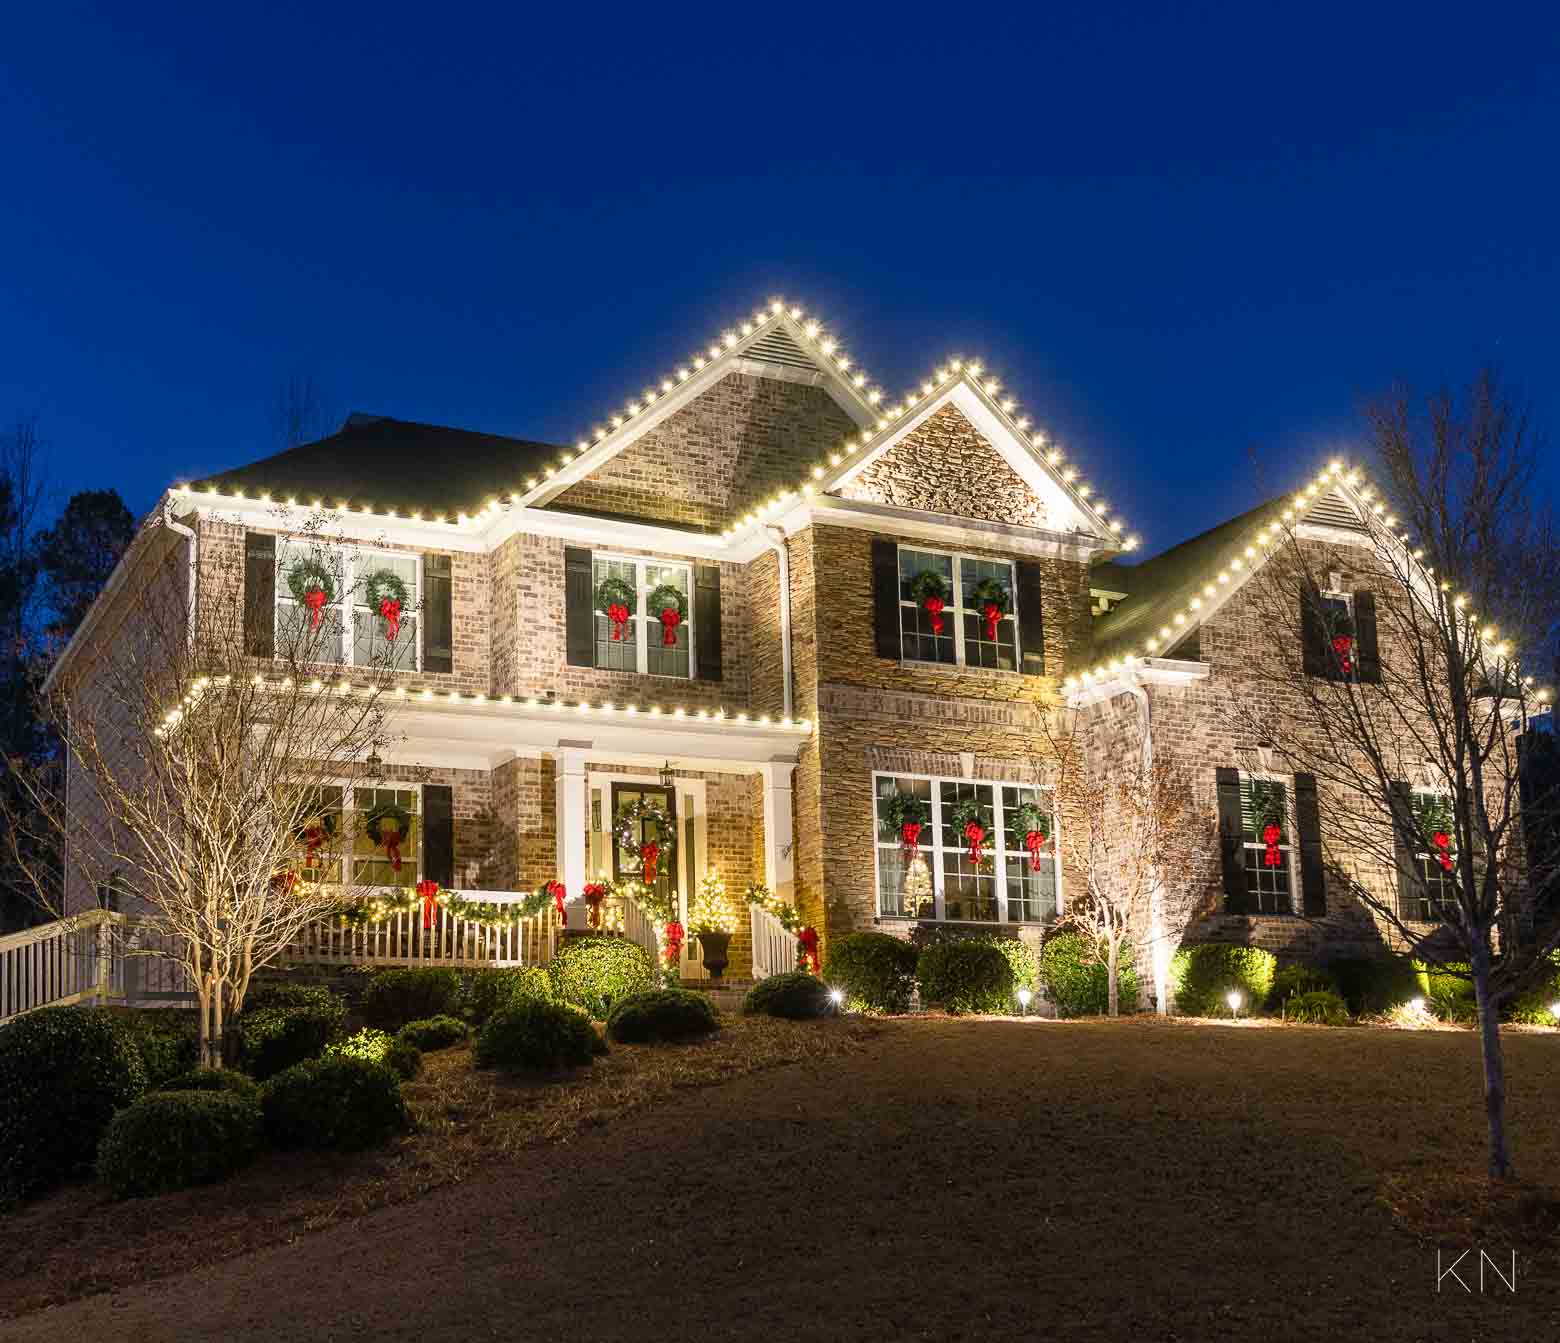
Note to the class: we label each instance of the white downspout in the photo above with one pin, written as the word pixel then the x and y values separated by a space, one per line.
pixel 776 537
pixel 175 525
pixel 1156 894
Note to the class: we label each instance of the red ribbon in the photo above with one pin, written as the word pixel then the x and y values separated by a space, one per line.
pixel 1271 834
pixel 975 833
pixel 674 941
pixel 910 835
pixel 1034 841
pixel 670 620
pixel 558 893
pixel 594 894
pixel 1341 646
pixel 314 835
pixel 934 608
pixel 649 854
pixel 390 839
pixel 1443 842
pixel 390 609
pixel 617 613
pixel 807 950
pixel 429 890
pixel 314 599
pixel 993 614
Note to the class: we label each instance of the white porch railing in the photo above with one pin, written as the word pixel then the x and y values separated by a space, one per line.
pixel 401 939
pixel 639 927
pixel 67 961
pixel 774 947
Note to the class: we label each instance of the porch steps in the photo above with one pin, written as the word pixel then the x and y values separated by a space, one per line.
pixel 725 994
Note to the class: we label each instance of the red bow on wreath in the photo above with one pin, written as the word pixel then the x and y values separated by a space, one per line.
pixel 1341 646
pixel 429 890
pixel 1271 834
pixel 674 941
pixel 650 853
pixel 314 836
pixel 975 833
pixel 594 894
pixel 993 614
pixel 390 609
pixel 559 895
pixel 1034 841
pixel 807 950
pixel 934 608
pixel 670 620
pixel 314 599
pixel 1443 842
pixel 617 613
pixel 910 836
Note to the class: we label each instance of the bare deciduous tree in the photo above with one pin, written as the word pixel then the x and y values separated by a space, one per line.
pixel 301 414
pixel 1411 708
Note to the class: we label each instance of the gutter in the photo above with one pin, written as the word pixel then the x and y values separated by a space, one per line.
pixel 173 524
pixel 775 536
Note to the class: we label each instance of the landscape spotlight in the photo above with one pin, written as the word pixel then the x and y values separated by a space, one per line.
pixel 836 996
pixel 1024 997
pixel 1234 999
pixel 1416 1004
pixel 1554 1009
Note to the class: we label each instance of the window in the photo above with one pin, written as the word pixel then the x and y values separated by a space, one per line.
pixel 941 881
pixel 642 645
pixel 337 824
pixel 351 573
pixel 1338 621
pixel 1434 897
pixel 1270 866
pixel 963 638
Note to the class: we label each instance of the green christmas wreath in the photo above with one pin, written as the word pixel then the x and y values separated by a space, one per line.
pixel 972 823
pixel 615 599
pixel 990 598
pixel 659 840
pixel 902 809
pixel 384 585
pixel 389 826
pixel 311 574
pixel 668 603
pixel 928 583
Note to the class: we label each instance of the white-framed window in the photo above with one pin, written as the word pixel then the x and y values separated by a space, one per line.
pixel 349 632
pixel 642 646
pixel 1436 898
pixel 963 640
pixel 1338 615
pixel 1268 799
pixel 941 881
pixel 350 853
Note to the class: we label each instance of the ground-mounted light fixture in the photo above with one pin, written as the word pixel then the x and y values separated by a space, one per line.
pixel 1416 1005
pixel 1234 998
pixel 1025 997
pixel 1554 1009
pixel 836 997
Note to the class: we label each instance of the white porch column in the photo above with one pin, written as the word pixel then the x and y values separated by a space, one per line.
pixel 571 818
pixel 779 837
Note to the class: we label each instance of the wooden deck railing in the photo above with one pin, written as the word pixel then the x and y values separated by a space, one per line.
pixel 774 948
pixel 402 939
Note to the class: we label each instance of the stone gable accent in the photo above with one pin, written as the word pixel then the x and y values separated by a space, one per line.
pixel 948 466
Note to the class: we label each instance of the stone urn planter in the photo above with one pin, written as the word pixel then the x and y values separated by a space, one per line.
pixel 715 947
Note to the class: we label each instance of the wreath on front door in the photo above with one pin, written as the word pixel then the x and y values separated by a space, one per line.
pixel 649 819
pixel 388 827
pixel 386 594
pixel 312 585
pixel 615 599
pixel 668 603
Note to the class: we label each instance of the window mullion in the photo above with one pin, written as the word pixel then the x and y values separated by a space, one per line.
pixel 999 863
pixel 642 644
pixel 939 908
pixel 958 612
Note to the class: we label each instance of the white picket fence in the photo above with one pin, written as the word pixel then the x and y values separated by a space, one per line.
pixel 402 939
pixel 774 948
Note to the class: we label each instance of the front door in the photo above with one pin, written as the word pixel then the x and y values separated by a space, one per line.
pixel 675 873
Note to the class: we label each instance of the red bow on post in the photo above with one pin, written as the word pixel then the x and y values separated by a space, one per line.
pixel 314 599
pixel 1034 841
pixel 674 941
pixel 1443 842
pixel 975 833
pixel 807 950
pixel 1271 834
pixel 429 890
pixel 670 620
pixel 1341 647
pixel 934 608
pixel 993 614
pixel 595 893
pixel 390 609
pixel 617 613
pixel 559 895
pixel 649 854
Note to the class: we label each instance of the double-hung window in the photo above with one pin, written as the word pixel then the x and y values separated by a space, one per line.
pixel 1434 897
pixel 1267 821
pixel 640 644
pixel 354 833
pixel 956 628
pixel 1338 616
pixel 939 879
pixel 330 605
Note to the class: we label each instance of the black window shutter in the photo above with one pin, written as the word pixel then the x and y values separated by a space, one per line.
pixel 1308 821
pixel 885 597
pixel 1315 654
pixel 1232 839
pixel 706 619
pixel 438 614
pixel 439 833
pixel 579 607
pixel 1027 607
pixel 1400 802
pixel 260 594
pixel 1367 657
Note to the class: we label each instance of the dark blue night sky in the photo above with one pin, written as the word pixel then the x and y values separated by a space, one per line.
pixel 1188 237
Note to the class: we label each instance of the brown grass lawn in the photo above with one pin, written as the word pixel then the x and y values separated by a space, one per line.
pixel 912 1179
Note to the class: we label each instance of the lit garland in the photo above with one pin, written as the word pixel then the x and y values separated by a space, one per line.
pixel 381 906
pixel 760 895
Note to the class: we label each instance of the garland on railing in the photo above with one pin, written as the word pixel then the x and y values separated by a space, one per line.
pixel 760 895
pixel 377 908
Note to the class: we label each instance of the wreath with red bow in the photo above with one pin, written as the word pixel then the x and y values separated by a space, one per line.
pixel 671 607
pixel 990 597
pixel 659 839
pixel 315 833
pixel 807 950
pixel 615 599
pixel 386 594
pixel 973 822
pixel 595 894
pixel 312 585
pixel 1035 826
pixel 906 816
pixel 1435 825
pixel 1267 819
pixel 388 827
pixel 929 589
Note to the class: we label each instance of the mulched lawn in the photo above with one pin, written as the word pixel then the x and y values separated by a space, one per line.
pixel 921 1179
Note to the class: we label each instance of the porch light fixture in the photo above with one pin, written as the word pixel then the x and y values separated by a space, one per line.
pixel 668 778
pixel 373 768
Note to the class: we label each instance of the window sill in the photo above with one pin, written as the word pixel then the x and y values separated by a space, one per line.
pixel 898 919
pixel 957 669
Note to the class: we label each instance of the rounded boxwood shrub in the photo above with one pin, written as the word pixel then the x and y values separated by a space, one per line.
pixel 404 1059
pixel 1449 989
pixel 212 1079
pixel 1203 977
pixel 1020 955
pixel 174 1139
pixel 965 975
pixel 484 992
pixel 167 1039
pixel 391 998
pixel 368 1044
pixel 537 1035
pixel 274 1038
pixel 595 971
pixel 287 993
pixel 434 1033
pixel 64 1071
pixel 334 1105
pixel 1320 1007
pixel 661 1014
pixel 874 971
pixel 1294 980
pixel 793 994
pixel 1373 984
pixel 1078 982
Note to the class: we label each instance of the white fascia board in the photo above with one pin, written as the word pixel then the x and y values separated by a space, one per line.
pixel 343 524
pixel 599 531
pixel 943 528
pixel 1146 671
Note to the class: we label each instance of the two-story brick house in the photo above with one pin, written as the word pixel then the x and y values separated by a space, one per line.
pixel 804 689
